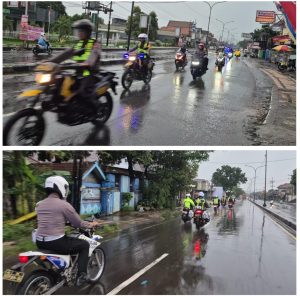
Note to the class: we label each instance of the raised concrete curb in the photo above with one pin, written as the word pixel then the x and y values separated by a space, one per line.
pixel 285 221
pixel 13 69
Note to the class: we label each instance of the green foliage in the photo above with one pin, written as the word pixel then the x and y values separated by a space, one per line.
pixel 237 191
pixel 228 177
pixel 153 26
pixel 63 26
pixel 127 209
pixel 135 29
pixel 55 5
pixel 7 24
pixel 15 232
pixel 126 197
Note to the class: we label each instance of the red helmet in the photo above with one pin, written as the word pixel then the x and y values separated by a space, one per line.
pixel 201 45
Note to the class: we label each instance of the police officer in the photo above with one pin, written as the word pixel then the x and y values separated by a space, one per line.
pixel 88 62
pixel 143 46
pixel 188 203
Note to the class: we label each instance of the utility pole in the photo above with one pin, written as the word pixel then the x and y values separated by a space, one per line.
pixel 266 164
pixel 130 26
pixel 108 29
pixel 149 21
pixel 49 20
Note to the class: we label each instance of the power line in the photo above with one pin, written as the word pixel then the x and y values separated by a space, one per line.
pixel 276 160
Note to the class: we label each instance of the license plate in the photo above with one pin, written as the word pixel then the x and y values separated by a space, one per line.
pixel 14 276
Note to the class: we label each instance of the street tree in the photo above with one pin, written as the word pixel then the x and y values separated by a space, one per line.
pixel 7 24
pixel 135 29
pixel 55 5
pixel 228 177
pixel 63 26
pixel 153 26
pixel 19 184
pixel 237 191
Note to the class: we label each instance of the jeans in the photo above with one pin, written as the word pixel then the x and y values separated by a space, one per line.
pixel 68 245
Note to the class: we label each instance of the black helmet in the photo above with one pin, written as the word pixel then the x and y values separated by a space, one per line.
pixel 84 24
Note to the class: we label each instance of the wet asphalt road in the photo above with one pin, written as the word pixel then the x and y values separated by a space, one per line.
pixel 173 110
pixel 240 252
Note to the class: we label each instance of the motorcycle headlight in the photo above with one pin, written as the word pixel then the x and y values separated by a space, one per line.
pixel 195 63
pixel 41 78
pixel 131 59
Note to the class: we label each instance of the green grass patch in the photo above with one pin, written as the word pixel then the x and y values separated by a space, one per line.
pixel 169 214
pixel 127 209
pixel 107 229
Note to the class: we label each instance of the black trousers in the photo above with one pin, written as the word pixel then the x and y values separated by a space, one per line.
pixel 69 245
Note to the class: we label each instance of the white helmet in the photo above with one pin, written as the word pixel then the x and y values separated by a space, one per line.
pixel 143 35
pixel 58 184
pixel 201 194
pixel 43 34
pixel 188 195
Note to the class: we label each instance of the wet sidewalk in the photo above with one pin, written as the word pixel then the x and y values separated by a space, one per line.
pixel 286 210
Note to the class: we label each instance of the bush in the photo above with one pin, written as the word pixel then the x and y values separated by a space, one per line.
pixel 126 197
pixel 127 209
pixel 158 43
pixel 15 232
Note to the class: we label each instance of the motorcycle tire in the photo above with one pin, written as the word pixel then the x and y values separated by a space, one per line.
pixel 49 51
pixel 148 77
pixel 126 83
pixel 35 138
pixel 24 289
pixel 220 68
pixel 177 67
pixel 282 68
pixel 104 109
pixel 100 272
pixel 194 76
pixel 35 51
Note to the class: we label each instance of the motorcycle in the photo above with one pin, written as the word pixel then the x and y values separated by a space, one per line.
pixel 229 55
pixel 287 66
pixel 39 49
pixel 220 63
pixel 180 60
pixel 134 71
pixel 186 215
pixel 197 67
pixel 201 218
pixel 54 94
pixel 44 272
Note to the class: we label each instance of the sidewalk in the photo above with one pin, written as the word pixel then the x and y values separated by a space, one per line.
pixel 286 217
pixel 277 124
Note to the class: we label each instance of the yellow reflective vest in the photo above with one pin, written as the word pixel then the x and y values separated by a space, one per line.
pixel 84 57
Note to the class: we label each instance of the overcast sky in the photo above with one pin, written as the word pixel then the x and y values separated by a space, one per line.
pixel 242 13
pixel 280 165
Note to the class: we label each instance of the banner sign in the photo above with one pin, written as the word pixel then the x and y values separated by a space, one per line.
pixel 30 33
pixel 266 17
pixel 247 35
pixel 283 39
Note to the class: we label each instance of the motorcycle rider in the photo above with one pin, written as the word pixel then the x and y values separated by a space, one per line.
pixel 201 52
pixel 42 42
pixel 216 202
pixel 201 201
pixel 52 214
pixel 144 47
pixel 183 50
pixel 220 56
pixel 223 201
pixel 188 202
pixel 88 62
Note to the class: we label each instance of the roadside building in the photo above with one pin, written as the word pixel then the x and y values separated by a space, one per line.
pixel 286 192
pixel 99 187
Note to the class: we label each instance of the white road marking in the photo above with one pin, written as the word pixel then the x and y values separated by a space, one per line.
pixel 137 275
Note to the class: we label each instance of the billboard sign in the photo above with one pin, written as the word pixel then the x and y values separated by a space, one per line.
pixel 247 35
pixel 283 39
pixel 265 17
pixel 30 33
pixel 143 21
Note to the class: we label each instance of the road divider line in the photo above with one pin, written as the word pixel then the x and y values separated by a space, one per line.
pixel 136 276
